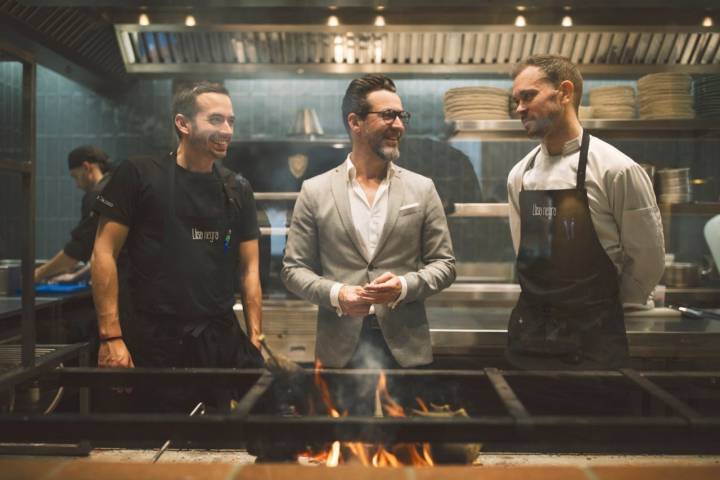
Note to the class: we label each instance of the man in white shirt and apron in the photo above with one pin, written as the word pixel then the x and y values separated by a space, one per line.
pixel 585 226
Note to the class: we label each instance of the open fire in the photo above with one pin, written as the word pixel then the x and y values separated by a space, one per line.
pixel 368 454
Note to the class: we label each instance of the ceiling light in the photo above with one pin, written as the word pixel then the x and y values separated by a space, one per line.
pixel 707 22
pixel 520 8
pixel 567 8
pixel 333 21
pixel 190 21
pixel 520 21
pixel 143 19
pixel 567 21
pixel 332 7
pixel 379 21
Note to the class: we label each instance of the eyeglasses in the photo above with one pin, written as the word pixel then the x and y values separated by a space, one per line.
pixel 389 116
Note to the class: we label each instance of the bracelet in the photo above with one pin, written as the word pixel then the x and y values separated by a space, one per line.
pixel 103 340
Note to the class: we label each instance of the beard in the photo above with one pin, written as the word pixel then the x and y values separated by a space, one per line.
pixel 386 153
pixel 540 126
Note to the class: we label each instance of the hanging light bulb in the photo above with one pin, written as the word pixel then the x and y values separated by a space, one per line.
pixel 567 21
pixel 520 8
pixel 333 21
pixel 190 21
pixel 339 50
pixel 379 21
pixel 143 19
pixel 707 22
pixel 520 21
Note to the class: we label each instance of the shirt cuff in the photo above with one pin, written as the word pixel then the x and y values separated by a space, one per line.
pixel 334 298
pixel 403 293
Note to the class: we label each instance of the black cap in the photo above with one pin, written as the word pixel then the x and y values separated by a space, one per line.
pixel 87 153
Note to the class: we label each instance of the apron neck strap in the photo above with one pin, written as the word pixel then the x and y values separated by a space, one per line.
pixel 582 161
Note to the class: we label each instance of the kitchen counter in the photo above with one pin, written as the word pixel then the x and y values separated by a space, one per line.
pixel 472 330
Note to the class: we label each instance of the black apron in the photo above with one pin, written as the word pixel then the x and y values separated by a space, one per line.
pixel 569 314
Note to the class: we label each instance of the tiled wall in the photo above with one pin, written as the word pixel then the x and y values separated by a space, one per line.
pixel 10 149
pixel 139 123
pixel 69 115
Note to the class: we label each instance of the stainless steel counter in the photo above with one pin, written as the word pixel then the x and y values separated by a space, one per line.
pixel 475 329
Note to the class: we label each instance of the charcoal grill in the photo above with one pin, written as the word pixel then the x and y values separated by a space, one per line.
pixel 624 411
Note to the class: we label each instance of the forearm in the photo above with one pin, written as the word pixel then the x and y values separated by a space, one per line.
pixel 431 279
pixel 307 284
pixel 251 295
pixel 60 263
pixel 105 294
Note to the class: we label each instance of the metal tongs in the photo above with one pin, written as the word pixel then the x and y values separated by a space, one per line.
pixel 199 408
pixel 277 363
pixel 696 313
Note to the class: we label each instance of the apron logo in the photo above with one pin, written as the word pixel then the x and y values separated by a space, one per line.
pixel 212 236
pixel 548 212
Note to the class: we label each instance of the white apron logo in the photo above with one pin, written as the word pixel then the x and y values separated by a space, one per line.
pixel 548 212
pixel 205 235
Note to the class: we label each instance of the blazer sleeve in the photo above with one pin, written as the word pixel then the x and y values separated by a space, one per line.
pixel 301 271
pixel 438 270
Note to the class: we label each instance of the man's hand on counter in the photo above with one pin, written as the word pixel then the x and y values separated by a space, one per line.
pixel 114 354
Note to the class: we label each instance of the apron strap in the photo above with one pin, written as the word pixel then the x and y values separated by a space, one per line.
pixel 529 167
pixel 582 161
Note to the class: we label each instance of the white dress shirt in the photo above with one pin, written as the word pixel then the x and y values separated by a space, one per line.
pixel 622 203
pixel 369 220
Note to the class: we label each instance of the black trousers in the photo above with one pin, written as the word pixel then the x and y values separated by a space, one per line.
pixel 163 341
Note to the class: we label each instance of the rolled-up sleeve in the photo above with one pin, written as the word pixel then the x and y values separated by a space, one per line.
pixel 641 234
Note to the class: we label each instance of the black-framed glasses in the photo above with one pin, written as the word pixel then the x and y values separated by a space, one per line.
pixel 389 115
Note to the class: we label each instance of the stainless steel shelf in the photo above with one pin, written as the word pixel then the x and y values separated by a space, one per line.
pixel 513 129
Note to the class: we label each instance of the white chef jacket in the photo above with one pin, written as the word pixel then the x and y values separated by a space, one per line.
pixel 622 203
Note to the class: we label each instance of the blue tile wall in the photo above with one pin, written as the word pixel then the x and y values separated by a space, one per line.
pixel 11 209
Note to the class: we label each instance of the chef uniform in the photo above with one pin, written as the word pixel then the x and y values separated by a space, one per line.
pixel 184 233
pixel 570 313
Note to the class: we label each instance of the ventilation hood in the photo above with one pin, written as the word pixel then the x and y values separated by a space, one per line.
pixel 412 49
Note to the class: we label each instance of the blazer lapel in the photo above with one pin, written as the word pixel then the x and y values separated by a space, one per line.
pixel 395 196
pixel 342 203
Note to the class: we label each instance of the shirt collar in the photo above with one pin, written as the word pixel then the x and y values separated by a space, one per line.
pixel 352 171
pixel 571 146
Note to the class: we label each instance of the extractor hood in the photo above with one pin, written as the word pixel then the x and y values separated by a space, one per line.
pixel 412 49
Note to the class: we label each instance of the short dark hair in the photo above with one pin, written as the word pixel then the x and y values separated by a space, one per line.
pixel 557 69
pixel 355 99
pixel 185 99
pixel 90 154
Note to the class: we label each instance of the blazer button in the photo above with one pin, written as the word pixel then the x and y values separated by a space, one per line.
pixel 371 267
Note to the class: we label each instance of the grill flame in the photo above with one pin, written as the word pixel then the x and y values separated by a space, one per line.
pixel 369 455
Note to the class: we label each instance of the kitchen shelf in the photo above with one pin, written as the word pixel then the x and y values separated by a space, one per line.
pixel 693 208
pixel 513 129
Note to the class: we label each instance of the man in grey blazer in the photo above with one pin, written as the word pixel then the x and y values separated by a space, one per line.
pixel 369 242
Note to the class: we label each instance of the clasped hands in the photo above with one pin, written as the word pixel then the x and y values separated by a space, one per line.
pixel 355 300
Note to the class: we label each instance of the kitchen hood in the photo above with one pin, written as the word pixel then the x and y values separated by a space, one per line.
pixel 237 50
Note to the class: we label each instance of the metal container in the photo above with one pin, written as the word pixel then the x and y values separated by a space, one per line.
pixel 307 123
pixel 10 277
pixel 684 274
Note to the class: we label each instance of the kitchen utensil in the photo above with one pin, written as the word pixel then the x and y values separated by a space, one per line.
pixel 278 363
pixel 684 274
pixel 696 313
pixel 200 407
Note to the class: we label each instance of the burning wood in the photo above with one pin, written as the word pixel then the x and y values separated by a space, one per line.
pixel 369 455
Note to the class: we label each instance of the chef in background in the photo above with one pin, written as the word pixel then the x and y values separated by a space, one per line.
pixel 89 167
pixel 585 226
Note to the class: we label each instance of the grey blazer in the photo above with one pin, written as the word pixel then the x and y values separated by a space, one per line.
pixel 323 247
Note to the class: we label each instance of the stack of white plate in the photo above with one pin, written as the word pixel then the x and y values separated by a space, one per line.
pixel 674 185
pixel 613 102
pixel 477 103
pixel 665 96
pixel 707 96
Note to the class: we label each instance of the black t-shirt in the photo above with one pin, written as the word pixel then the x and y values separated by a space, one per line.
pixel 134 197
pixel 82 237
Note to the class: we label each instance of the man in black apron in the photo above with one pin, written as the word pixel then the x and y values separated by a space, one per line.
pixel 570 311
pixel 191 232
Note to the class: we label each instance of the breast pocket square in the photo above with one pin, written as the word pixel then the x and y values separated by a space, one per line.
pixel 409 208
